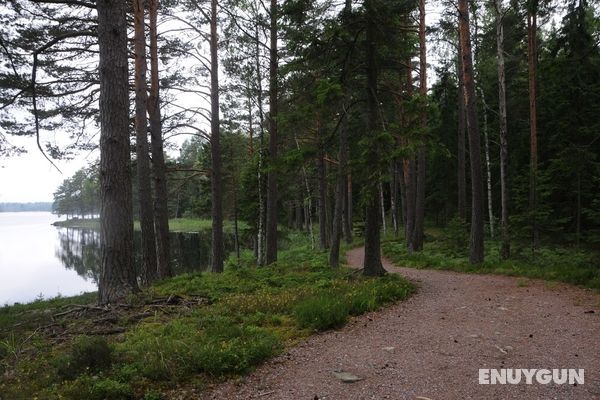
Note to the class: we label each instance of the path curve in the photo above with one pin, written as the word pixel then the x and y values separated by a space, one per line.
pixel 432 345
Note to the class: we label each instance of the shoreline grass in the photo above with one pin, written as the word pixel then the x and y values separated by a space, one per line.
pixel 175 224
pixel 223 326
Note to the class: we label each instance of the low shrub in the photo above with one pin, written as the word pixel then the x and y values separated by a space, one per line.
pixel 95 388
pixel 322 312
pixel 87 354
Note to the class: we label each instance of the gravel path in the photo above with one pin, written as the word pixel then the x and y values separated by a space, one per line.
pixel 432 345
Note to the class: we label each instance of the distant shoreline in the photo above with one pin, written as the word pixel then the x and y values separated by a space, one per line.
pixel 41 206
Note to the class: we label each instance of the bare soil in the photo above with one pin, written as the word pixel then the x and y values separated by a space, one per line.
pixel 432 345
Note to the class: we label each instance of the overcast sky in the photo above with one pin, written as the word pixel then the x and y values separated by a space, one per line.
pixel 31 178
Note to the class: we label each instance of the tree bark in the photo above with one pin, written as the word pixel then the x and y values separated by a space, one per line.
pixel 262 193
pixel 394 195
pixel 372 265
pixel 419 228
pixel 461 157
pixel 504 227
pixel 161 209
pixel 323 237
pixel 118 276
pixel 271 234
pixel 334 253
pixel 349 208
pixel 408 168
pixel 488 167
pixel 148 267
pixel 382 203
pixel 476 255
pixel 215 149
pixel 532 67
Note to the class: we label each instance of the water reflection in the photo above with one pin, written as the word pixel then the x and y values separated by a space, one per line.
pixel 79 250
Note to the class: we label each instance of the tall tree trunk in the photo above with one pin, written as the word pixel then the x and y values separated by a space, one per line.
pixel 419 230
pixel 578 211
pixel 334 253
pixel 402 194
pixel 262 193
pixel 372 262
pixel 349 208
pixel 118 276
pixel 323 237
pixel 532 66
pixel 161 209
pixel 476 255
pixel 409 173
pixel 488 167
pixel 271 234
pixel 382 203
pixel 461 157
pixel 394 195
pixel 148 268
pixel 215 149
pixel 308 201
pixel 505 247
pixel 236 230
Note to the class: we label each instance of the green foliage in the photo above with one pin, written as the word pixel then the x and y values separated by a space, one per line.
pixel 570 265
pixel 95 388
pixel 87 354
pixel 79 194
pixel 321 313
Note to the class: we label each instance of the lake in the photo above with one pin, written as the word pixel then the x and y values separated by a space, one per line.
pixel 38 259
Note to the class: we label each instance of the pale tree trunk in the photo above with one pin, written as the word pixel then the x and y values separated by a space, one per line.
pixel 476 255
pixel 118 276
pixel 488 168
pixel 372 265
pixel 161 209
pixel 271 233
pixel 532 67
pixel 148 267
pixel 505 247
pixel 262 204
pixel 461 157
pixel 382 202
pixel 215 149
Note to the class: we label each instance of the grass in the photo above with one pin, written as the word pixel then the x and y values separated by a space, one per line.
pixel 175 224
pixel 228 324
pixel 444 249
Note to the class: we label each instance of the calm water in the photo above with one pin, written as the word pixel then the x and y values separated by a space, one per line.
pixel 38 259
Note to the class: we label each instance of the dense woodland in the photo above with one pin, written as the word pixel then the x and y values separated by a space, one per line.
pixel 338 119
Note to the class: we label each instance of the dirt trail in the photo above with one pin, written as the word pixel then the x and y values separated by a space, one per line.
pixel 432 345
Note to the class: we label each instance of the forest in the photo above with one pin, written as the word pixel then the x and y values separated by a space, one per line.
pixel 458 135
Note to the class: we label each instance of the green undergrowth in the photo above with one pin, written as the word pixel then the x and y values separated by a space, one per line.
pixel 175 224
pixel 448 250
pixel 247 315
